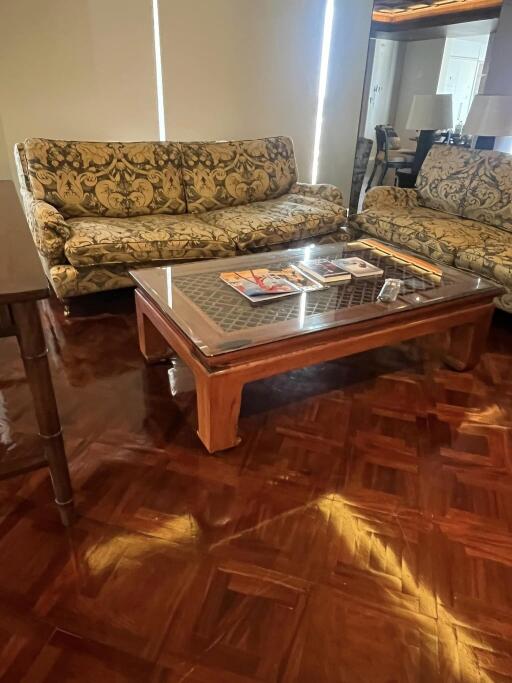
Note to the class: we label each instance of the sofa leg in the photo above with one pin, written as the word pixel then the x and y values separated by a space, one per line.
pixel 67 307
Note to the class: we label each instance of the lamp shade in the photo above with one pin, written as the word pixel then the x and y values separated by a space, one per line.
pixel 430 112
pixel 490 115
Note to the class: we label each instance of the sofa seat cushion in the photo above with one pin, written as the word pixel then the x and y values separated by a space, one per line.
pixel 222 174
pixel 286 219
pixel 139 240
pixel 492 258
pixel 434 234
pixel 106 178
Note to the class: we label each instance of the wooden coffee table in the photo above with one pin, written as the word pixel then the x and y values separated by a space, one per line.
pixel 226 342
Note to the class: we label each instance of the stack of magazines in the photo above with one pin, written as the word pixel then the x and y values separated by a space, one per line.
pixel 264 284
pixel 340 269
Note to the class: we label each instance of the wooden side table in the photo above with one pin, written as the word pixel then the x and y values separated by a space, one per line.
pixel 22 285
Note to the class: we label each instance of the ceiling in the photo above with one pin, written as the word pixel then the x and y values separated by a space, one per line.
pixel 393 11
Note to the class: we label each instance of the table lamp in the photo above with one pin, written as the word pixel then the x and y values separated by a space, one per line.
pixel 490 117
pixel 428 114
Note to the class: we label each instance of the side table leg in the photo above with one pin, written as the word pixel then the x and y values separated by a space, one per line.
pixel 218 408
pixel 467 342
pixel 35 359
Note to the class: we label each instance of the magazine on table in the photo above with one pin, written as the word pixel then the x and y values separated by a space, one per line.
pixel 259 285
pixel 264 284
pixel 324 270
pixel 358 267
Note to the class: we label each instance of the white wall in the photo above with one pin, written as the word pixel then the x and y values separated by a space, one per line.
pixel 344 92
pixel 383 86
pixel 499 78
pixel 420 76
pixel 239 68
pixel 77 70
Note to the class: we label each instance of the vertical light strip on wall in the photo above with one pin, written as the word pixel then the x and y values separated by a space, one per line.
pixel 158 69
pixel 322 84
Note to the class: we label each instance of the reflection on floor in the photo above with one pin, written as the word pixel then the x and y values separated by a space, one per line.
pixel 361 532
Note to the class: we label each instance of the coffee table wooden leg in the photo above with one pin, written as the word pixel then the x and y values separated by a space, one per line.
pixel 218 408
pixel 467 343
pixel 153 346
pixel 34 353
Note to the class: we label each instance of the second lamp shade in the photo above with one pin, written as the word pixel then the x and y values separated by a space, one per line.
pixel 430 112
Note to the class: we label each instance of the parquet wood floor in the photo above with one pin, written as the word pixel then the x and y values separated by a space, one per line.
pixel 362 531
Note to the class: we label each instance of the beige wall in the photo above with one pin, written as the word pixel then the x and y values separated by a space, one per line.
pixel 5 173
pixel 242 69
pixel 232 69
pixel 239 68
pixel 74 69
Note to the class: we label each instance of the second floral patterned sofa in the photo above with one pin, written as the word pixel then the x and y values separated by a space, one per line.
pixel 460 213
pixel 96 209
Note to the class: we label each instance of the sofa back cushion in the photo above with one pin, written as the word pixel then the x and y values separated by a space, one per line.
pixel 489 197
pixel 472 183
pixel 106 178
pixel 221 174
pixel 445 177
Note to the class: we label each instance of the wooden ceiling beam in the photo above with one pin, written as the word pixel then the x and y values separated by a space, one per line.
pixel 439 9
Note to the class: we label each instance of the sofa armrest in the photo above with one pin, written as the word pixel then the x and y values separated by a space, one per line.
pixel 385 195
pixel 322 190
pixel 48 227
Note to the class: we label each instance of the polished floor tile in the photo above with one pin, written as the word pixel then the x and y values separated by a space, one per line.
pixel 361 532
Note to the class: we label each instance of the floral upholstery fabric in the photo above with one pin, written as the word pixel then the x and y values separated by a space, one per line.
pixel 342 234
pixel 471 183
pixel 493 259
pixel 141 240
pixel 321 190
pixel 48 227
pixel 276 221
pixel 445 177
pixel 434 234
pixel 489 197
pixel 390 196
pixel 97 209
pixel 394 215
pixel 106 178
pixel 69 281
pixel 222 174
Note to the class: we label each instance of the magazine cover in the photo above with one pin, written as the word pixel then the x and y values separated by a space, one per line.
pixel 300 279
pixel 259 285
pixel 358 267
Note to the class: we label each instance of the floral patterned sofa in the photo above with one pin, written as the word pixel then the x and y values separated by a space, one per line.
pixel 96 209
pixel 460 213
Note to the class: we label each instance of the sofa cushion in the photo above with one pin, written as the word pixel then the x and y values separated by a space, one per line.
pixel 492 258
pixel 221 174
pixel 445 177
pixel 437 235
pixel 139 240
pixel 106 178
pixel 285 219
pixel 489 197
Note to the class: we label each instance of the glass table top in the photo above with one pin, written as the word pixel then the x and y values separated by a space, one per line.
pixel 217 319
